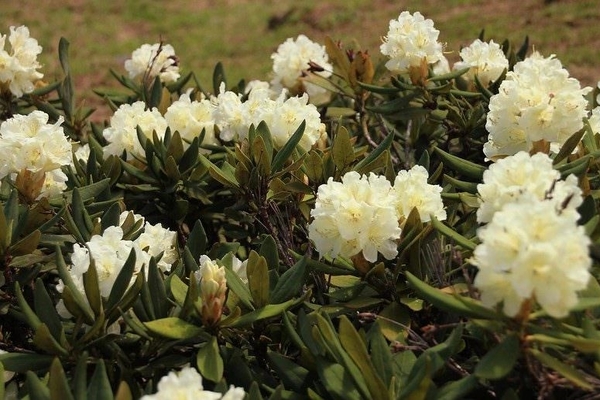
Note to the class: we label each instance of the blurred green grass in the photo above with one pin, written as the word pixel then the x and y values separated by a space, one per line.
pixel 103 33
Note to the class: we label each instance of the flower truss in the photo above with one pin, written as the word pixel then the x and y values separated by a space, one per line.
pixel 152 60
pixel 522 174
pixel 486 61
pixel 18 67
pixel 187 385
pixel 537 101
pixel 291 61
pixel 411 40
pixel 531 252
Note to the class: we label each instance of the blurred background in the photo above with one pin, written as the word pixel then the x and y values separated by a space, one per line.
pixel 242 34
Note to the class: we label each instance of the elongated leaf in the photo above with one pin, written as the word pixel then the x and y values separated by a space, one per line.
pixel 337 381
pixel 465 167
pixel 452 234
pixel 122 282
pixel 258 279
pixel 463 306
pixel 498 362
pixel 288 148
pixel 99 388
pixel 383 146
pixel 209 361
pixel 458 389
pixel 293 376
pixel 290 283
pixel 156 286
pixel 58 384
pixel 357 350
pixel 342 150
pixel 23 362
pixel 173 328
pixel 573 375
pixel 268 311
pixel 36 388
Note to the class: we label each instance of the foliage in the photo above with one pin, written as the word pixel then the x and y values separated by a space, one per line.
pixel 295 325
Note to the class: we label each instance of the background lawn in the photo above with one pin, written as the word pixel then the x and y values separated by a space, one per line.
pixel 243 33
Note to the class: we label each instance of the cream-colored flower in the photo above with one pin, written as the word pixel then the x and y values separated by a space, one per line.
pixel 18 67
pixel 189 118
pixel 411 190
pixel 286 116
pixel 529 252
pixel 122 133
pixel 150 61
pixel 156 240
pixel 110 252
pixel 522 174
pixel 213 289
pixel 28 142
pixel 485 60
pixel 293 58
pixel 537 101
pixel 187 385
pixel 230 115
pixel 410 41
pixel 353 216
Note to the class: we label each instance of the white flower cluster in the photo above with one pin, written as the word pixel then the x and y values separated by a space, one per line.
pixel 187 385
pixel 486 61
pixel 411 40
pixel 110 252
pixel 18 66
pixel 364 214
pixel 530 252
pixel 293 58
pixel 189 118
pixel 152 60
pixel 122 133
pixel 283 116
pixel 531 248
pixel 28 142
pixel 537 101
pixel 522 174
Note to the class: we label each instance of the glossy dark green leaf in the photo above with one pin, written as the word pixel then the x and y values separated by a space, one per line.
pixel 291 282
pixel 293 376
pixel 99 387
pixel 464 167
pixel 122 282
pixel 288 148
pixel 45 309
pixel 36 388
pixel 58 383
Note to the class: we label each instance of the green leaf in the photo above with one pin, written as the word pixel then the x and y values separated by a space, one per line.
pixel 218 77
pixel 452 234
pixel 239 288
pixel 383 146
pixel 174 328
pixel 268 311
pixel 92 288
pixel 45 341
pixel 337 381
pixel 357 350
pixel 458 389
pixel 341 149
pixel 209 361
pixel 293 376
pixel 268 249
pixel 567 148
pixel 465 167
pixel 99 388
pixel 58 384
pixel 464 306
pixel 122 282
pixel 288 148
pixel 258 279
pixel 23 362
pixel 156 285
pixel 36 388
pixel 570 373
pixel 290 283
pixel 499 361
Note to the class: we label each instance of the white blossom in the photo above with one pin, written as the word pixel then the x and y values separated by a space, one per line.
pixel 291 61
pixel 410 41
pixel 522 174
pixel 187 385
pixel 150 61
pixel 537 101
pixel 18 66
pixel 110 252
pixel 230 115
pixel 486 61
pixel 528 251
pixel 412 190
pixel 122 133
pixel 29 142
pixel 353 216
pixel 189 118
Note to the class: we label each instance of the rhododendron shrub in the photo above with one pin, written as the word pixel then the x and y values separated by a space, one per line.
pixel 360 223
